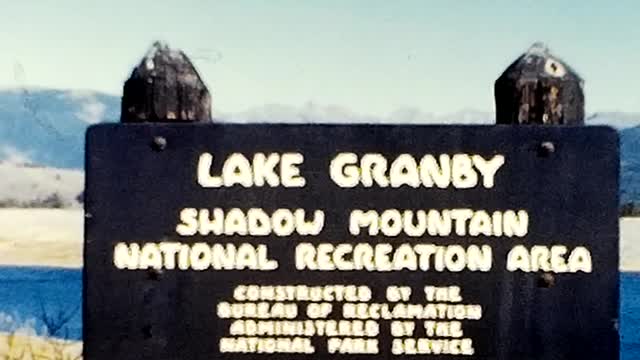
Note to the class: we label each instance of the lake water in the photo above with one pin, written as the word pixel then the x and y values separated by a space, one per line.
pixel 28 293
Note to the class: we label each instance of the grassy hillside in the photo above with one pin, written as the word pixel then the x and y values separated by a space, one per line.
pixel 38 187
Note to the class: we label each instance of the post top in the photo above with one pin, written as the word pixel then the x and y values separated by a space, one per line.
pixel 538 48
pixel 165 86
pixel 539 88
pixel 160 49
pixel 539 62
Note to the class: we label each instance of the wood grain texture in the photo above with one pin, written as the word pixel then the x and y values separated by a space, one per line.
pixel 539 88
pixel 165 87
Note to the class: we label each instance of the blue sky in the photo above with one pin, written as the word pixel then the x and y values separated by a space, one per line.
pixel 369 56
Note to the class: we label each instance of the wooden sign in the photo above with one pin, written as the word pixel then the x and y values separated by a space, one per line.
pixel 240 242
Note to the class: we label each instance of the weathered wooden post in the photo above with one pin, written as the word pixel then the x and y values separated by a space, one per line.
pixel 539 88
pixel 165 87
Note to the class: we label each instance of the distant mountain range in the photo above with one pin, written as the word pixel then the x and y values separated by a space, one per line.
pixel 630 165
pixel 46 127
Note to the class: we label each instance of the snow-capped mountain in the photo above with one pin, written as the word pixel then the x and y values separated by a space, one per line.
pixel 47 127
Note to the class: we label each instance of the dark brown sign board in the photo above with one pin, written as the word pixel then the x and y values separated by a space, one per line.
pixel 238 242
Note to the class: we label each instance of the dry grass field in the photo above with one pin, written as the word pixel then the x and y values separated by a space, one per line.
pixel 29 347
pixel 41 237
